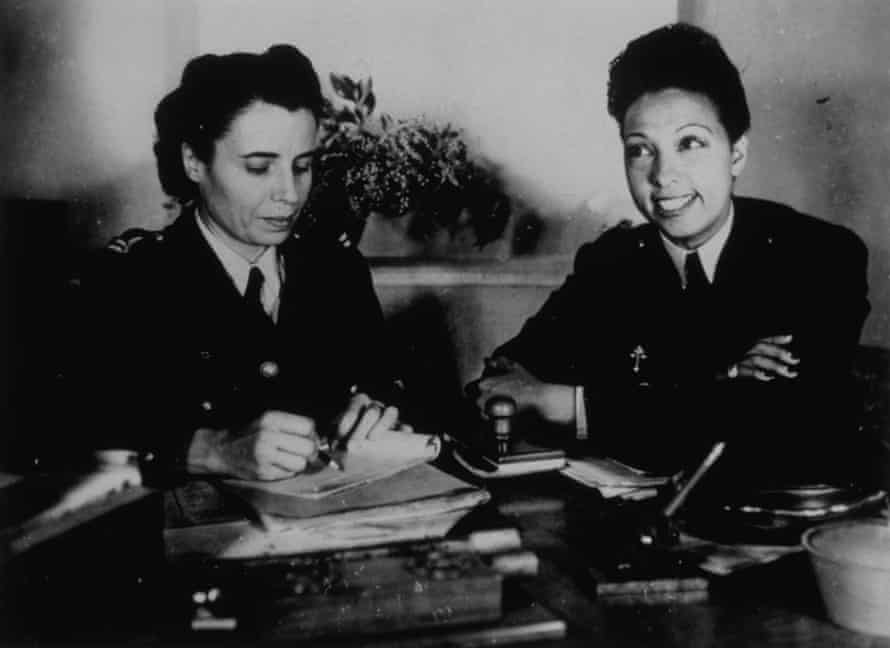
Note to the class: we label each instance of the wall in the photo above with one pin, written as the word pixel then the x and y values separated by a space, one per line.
pixel 817 77
pixel 525 78
pixel 79 81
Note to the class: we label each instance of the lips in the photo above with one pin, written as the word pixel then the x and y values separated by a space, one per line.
pixel 280 222
pixel 672 204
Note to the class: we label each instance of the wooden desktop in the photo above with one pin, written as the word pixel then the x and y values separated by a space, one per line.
pixel 562 523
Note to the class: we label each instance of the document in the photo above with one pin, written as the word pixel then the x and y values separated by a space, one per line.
pixel 387 492
pixel 613 478
pixel 392 470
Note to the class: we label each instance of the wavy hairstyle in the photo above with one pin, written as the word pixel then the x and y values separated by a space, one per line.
pixel 679 56
pixel 213 91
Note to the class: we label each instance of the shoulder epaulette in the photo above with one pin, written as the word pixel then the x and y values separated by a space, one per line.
pixel 125 242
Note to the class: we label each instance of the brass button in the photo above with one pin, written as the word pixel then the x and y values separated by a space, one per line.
pixel 269 369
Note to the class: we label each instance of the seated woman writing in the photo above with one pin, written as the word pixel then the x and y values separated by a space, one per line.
pixel 232 343
pixel 720 318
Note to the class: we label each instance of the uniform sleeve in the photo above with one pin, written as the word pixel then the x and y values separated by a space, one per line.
pixel 549 342
pixel 804 430
pixel 119 385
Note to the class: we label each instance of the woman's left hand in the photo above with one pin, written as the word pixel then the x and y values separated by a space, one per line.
pixel 364 418
pixel 768 359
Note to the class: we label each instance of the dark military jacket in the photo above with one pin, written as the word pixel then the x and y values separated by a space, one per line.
pixel 654 364
pixel 179 349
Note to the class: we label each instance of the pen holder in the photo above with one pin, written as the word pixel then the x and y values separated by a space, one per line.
pixel 638 541
pixel 656 531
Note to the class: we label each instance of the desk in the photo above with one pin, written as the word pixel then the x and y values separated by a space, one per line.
pixel 773 605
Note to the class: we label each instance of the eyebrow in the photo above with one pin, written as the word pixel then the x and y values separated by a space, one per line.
pixel 271 155
pixel 676 130
pixel 705 126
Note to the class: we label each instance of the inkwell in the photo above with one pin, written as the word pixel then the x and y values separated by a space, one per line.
pixel 644 556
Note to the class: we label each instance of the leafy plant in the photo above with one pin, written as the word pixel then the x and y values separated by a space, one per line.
pixel 370 163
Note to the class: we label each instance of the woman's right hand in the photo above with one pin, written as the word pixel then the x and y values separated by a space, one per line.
pixel 276 445
pixel 505 377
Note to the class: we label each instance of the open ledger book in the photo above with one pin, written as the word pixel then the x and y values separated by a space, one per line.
pixel 387 492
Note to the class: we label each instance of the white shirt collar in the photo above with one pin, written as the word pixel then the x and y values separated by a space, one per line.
pixel 238 268
pixel 709 252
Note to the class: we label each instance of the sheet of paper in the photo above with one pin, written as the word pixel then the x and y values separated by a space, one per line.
pixel 417 483
pixel 613 478
pixel 723 559
pixel 365 461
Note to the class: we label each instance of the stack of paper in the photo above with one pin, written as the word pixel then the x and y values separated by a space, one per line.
pixel 613 478
pixel 386 492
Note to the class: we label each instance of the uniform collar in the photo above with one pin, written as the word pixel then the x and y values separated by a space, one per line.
pixel 709 252
pixel 238 268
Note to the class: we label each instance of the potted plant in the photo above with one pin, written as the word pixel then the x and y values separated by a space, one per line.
pixel 413 172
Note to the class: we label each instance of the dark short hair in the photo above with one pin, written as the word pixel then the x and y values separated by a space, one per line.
pixel 214 89
pixel 679 56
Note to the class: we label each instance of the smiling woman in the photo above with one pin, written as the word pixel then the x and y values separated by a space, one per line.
pixel 681 164
pixel 719 319
pixel 248 340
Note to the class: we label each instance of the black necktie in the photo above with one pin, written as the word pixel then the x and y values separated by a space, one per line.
pixel 253 293
pixel 696 279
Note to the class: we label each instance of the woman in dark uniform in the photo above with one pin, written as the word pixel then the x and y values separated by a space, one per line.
pixel 232 344
pixel 719 318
